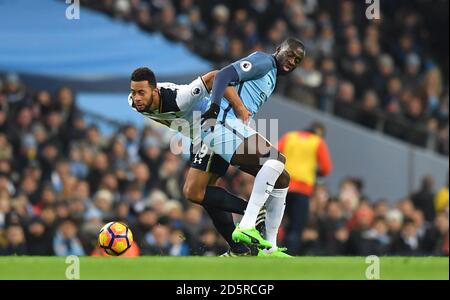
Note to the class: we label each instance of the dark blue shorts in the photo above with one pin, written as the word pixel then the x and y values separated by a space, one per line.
pixel 205 160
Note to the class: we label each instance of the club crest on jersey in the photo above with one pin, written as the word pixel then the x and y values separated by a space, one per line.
pixel 246 65
pixel 196 91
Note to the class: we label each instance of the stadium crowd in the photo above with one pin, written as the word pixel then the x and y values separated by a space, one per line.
pixel 389 74
pixel 61 179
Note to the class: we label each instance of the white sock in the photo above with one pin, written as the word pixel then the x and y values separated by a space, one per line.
pixel 275 205
pixel 263 186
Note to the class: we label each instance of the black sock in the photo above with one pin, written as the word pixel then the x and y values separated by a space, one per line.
pixel 221 199
pixel 223 221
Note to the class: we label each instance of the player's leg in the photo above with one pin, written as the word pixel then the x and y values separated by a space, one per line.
pixel 200 181
pixel 256 156
pixel 273 215
pixel 244 147
pixel 197 190
pixel 223 221
pixel 204 164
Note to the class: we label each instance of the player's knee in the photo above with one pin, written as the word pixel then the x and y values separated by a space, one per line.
pixel 283 180
pixel 193 193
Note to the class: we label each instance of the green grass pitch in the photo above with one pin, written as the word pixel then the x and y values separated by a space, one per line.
pixel 209 268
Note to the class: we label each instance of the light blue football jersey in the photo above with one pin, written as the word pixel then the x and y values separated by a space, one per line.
pixel 257 80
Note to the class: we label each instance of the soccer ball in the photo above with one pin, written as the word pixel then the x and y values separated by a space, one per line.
pixel 115 238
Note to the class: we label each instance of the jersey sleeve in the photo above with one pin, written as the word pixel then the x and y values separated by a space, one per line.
pixel 254 66
pixel 187 94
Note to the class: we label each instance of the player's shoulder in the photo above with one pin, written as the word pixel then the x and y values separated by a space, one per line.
pixel 167 85
pixel 169 91
pixel 170 95
pixel 259 55
pixel 259 59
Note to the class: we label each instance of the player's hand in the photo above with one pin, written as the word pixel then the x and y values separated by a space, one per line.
pixel 209 117
pixel 243 114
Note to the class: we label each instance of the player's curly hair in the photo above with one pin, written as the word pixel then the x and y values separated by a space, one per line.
pixel 144 74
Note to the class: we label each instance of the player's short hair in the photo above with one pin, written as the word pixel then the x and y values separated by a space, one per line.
pixel 144 74
pixel 294 42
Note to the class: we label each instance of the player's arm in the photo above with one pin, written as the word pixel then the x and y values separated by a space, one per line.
pixel 208 79
pixel 231 95
pixel 252 67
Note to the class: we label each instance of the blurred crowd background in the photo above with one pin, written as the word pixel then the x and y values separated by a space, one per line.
pixel 389 74
pixel 61 178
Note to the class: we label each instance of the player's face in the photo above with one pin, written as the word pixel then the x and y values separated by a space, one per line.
pixel 288 58
pixel 142 95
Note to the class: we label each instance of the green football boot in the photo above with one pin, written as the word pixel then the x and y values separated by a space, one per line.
pixel 250 236
pixel 280 252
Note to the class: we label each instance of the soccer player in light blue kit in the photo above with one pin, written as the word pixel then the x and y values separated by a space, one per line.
pixel 254 77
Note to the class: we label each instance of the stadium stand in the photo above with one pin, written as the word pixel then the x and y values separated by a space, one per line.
pixel 389 75
pixel 62 178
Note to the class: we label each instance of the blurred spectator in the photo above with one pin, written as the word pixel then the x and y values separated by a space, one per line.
pixel 423 199
pixel 39 239
pixel 66 242
pixel 404 59
pixel 408 242
pixel 370 110
pixel 209 243
pixel 349 196
pixel 306 155
pixel 441 199
pixel 54 165
pixel 330 229
pixel 157 241
pixel 305 82
pixel 5 148
pixel 78 167
pixel 345 99
pixel 14 91
pixel 146 220
pixel 15 241
pixel 437 237
pixel 179 246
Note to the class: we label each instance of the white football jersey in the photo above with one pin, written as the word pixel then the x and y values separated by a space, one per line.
pixel 178 104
